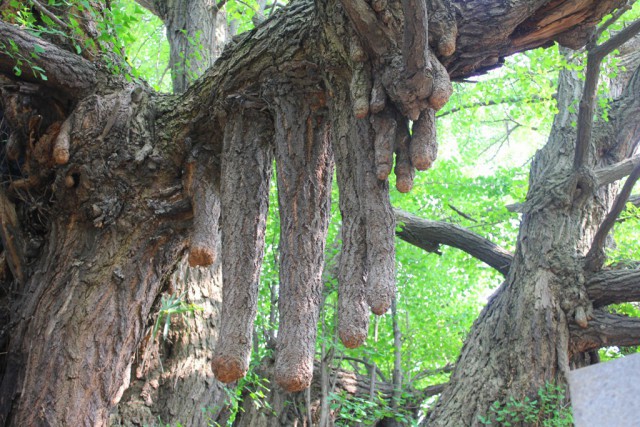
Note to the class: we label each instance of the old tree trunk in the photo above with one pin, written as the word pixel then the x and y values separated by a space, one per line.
pixel 107 184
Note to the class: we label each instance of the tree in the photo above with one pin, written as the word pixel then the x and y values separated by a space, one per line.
pixel 123 178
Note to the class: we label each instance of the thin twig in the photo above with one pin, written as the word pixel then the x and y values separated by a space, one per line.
pixel 51 15
pixel 614 17
pixel 516 100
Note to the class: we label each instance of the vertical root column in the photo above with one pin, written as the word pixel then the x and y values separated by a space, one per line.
pixel 305 169
pixel 380 221
pixel 201 185
pixel 246 171
pixel 353 311
pixel 368 221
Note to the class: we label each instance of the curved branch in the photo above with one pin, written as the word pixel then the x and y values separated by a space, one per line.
pixel 605 329
pixel 64 70
pixel 614 286
pixel 428 235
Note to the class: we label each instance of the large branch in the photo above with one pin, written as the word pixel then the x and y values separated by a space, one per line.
pixel 604 330
pixel 64 70
pixel 428 235
pixel 614 286
pixel 613 173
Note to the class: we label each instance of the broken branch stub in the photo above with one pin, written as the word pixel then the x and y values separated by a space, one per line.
pixel 305 170
pixel 247 160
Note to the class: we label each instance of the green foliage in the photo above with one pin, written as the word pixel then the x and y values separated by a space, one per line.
pixel 550 409
pixel 169 306
pixel 349 410
pixel 253 387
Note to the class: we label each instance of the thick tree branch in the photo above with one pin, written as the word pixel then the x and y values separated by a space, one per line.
pixel 610 174
pixel 613 287
pixel 428 235
pixel 64 70
pixel 595 257
pixel 603 330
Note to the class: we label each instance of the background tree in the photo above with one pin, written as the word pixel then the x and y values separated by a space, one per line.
pixel 104 252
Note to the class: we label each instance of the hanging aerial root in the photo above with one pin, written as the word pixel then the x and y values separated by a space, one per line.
pixel 404 170
pixel 353 311
pixel 423 145
pixel 199 183
pixel 244 195
pixel 357 163
pixel 305 169
pixel 380 224
pixel 441 88
pixel 384 126
pixel 360 90
pixel 443 27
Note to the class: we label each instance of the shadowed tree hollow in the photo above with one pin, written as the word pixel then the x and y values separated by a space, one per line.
pixel 108 184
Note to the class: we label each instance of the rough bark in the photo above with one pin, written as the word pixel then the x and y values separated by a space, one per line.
pixel 171 379
pixel 91 288
pixel 305 169
pixel 522 338
pixel 247 158
pixel 196 30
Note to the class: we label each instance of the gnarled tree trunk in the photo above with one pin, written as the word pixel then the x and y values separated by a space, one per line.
pixel 112 168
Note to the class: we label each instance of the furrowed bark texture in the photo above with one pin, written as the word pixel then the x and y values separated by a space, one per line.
pixel 305 170
pixel 196 31
pixel 116 229
pixel 117 215
pixel 247 159
pixel 171 379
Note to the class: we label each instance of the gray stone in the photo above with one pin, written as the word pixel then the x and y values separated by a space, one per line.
pixel 607 394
